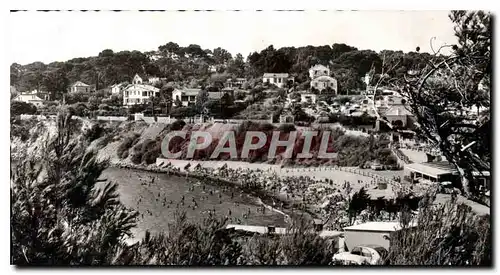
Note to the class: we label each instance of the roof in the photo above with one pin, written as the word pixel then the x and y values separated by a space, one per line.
pixel 81 84
pixel 276 75
pixel 476 207
pixel 397 110
pixel 118 85
pixel 27 97
pixel 188 92
pixel 137 76
pixel 278 230
pixel 330 233
pixel 430 170
pixel 256 229
pixel 319 67
pixel 375 227
pixel 141 87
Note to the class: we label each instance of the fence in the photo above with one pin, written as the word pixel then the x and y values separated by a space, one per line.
pixel 239 121
pixel 38 117
pixel 112 118
pixel 343 169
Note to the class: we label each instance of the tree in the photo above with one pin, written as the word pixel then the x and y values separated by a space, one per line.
pixel 221 56
pixel 339 49
pixel 201 99
pixel 237 66
pixel 56 83
pixel 169 49
pixel 60 214
pixel 304 247
pixel 450 234
pixel 443 95
pixel 21 108
pixel 194 50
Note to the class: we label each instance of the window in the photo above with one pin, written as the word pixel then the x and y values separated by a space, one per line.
pixel 356 251
pixel 184 98
pixel 366 253
pixel 144 93
pixel 315 84
pixel 326 72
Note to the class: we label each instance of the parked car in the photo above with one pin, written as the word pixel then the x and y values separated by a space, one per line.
pixel 377 166
pixel 392 167
pixel 365 254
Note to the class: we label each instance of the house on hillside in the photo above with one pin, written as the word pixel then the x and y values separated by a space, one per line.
pixel 235 83
pixel 30 98
pixel 321 83
pixel 138 93
pixel 318 70
pixel 278 79
pixel 118 88
pixel 44 95
pixel 80 87
pixel 398 115
pixel 188 96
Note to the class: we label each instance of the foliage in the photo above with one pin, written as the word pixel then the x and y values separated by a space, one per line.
pixel 60 215
pixel 183 112
pixel 447 234
pixel 21 108
pixel 130 140
pixel 446 93
pixel 358 202
pixel 304 247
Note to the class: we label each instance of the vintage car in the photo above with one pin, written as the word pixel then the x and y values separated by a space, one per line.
pixel 364 254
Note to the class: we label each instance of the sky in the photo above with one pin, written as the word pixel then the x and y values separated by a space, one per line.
pixel 60 36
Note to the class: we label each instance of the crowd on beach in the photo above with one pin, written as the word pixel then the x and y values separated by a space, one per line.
pixel 317 196
pixel 194 202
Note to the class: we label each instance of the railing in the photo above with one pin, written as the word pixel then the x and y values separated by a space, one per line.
pixel 400 155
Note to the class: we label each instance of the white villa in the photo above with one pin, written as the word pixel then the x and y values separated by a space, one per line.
pixel 80 87
pixel 278 79
pixel 30 98
pixel 322 82
pixel 138 93
pixel 188 96
pixel 321 79
pixel 118 88
pixel 318 70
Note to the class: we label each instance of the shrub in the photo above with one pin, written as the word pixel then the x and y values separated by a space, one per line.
pixel 446 234
pixel 129 141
